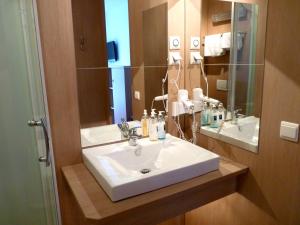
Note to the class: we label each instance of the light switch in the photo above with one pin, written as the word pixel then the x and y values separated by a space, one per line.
pixel 137 95
pixel 195 43
pixel 289 131
pixel 174 42
pixel 222 85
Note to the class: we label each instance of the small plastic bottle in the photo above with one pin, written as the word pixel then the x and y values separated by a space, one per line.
pixel 204 115
pixel 221 110
pixel 161 132
pixel 153 135
pixel 145 124
pixel 214 117
pixel 209 112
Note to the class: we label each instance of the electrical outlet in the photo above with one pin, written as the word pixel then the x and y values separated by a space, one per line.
pixel 195 43
pixel 174 42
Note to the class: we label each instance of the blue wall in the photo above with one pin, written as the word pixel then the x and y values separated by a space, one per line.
pixel 117 29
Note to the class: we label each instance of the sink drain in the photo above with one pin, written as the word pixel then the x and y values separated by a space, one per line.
pixel 144 171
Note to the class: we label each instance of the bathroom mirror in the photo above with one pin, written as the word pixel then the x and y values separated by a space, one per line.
pixel 232 34
pixel 121 49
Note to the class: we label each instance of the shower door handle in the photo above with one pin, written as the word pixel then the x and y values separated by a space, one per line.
pixel 42 123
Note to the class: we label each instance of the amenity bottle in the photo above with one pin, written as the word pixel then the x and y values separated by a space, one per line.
pixel 145 124
pixel 221 110
pixel 214 117
pixel 153 135
pixel 204 115
pixel 161 132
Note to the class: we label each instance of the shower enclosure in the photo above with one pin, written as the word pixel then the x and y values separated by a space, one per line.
pixel 27 183
pixel 243 80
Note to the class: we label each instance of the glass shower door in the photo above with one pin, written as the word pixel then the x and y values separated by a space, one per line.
pixel 242 57
pixel 27 190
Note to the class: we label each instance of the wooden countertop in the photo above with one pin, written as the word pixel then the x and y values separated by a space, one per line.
pixel 152 207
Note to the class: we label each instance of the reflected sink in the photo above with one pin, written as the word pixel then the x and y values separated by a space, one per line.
pixel 244 134
pixel 124 171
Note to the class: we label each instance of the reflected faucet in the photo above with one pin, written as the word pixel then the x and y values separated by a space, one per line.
pixel 221 126
pixel 235 116
pixel 124 128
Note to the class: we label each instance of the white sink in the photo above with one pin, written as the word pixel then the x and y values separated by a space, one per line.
pixel 124 171
pixel 244 134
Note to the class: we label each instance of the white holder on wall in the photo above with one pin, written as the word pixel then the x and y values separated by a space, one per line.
pixel 174 58
pixel 185 106
pixel 195 58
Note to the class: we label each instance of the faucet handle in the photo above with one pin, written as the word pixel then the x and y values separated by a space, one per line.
pixel 133 132
pixel 237 110
pixel 133 136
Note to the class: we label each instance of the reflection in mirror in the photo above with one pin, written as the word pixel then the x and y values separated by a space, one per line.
pixel 233 49
pixel 121 49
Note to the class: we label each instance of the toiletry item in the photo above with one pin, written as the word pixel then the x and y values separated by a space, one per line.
pixel 221 110
pixel 204 115
pixel 161 132
pixel 214 117
pixel 145 124
pixel 209 111
pixel 153 136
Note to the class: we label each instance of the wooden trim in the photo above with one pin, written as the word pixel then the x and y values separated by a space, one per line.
pixel 57 41
pixel 153 207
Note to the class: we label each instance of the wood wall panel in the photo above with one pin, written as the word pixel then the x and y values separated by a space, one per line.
pixel 215 73
pixel 155 45
pixel 90 50
pixel 93 97
pixel 89 26
pixel 176 27
pixel 270 195
pixel 152 14
pixel 56 30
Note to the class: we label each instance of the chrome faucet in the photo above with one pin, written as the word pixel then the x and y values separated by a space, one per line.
pixel 235 116
pixel 129 133
pixel 133 136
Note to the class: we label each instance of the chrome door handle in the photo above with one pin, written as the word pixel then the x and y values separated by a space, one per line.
pixel 42 123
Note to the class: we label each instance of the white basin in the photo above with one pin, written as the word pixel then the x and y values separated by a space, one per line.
pixel 244 134
pixel 119 168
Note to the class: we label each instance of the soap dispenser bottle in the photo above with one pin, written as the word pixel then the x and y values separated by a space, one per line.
pixel 145 124
pixel 214 117
pixel 161 132
pixel 153 135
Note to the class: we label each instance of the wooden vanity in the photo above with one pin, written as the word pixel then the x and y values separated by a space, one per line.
pixel 153 207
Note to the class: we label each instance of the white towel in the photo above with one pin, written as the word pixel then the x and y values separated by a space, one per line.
pixel 213 45
pixel 226 40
